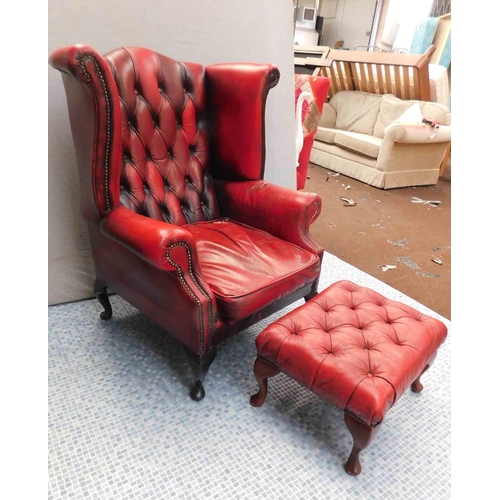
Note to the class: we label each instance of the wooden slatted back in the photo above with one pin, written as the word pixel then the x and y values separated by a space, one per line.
pixel 404 75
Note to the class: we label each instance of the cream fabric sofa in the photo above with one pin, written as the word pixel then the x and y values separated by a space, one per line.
pixel 358 137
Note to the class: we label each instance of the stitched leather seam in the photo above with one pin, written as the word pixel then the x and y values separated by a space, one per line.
pixel 108 122
pixel 268 362
pixel 188 289
pixel 307 236
pixel 359 420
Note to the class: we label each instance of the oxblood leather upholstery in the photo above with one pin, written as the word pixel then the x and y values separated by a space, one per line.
pixel 354 348
pixel 171 157
pixel 272 267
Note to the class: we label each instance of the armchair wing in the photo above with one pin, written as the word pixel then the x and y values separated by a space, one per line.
pixel 237 101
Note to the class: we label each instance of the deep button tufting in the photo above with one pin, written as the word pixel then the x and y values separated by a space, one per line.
pixel 180 101
pixel 346 381
pixel 187 178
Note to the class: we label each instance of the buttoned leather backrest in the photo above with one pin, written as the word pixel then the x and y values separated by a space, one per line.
pixel 164 135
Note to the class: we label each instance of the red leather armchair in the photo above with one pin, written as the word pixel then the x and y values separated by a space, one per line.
pixel 171 158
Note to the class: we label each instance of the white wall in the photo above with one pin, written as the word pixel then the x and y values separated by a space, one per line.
pixel 347 20
pixel 203 31
pixel 408 14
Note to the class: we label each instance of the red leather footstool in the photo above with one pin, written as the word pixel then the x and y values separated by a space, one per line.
pixel 355 349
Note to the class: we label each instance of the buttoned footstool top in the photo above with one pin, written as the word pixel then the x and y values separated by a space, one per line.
pixel 352 347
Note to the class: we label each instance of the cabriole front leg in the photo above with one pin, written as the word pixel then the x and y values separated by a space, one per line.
pixel 263 370
pixel 199 366
pixel 101 293
pixel 362 436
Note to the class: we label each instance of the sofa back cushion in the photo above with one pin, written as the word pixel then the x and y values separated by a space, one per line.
pixel 391 108
pixel 356 111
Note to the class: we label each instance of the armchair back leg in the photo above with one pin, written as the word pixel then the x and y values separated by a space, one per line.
pixel 199 366
pixel 101 293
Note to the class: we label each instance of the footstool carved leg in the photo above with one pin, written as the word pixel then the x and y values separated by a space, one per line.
pixel 263 370
pixel 362 436
pixel 417 385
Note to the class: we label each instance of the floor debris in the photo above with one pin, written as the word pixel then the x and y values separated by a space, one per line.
pixel 379 226
pixel 433 203
pixel 437 261
pixel 378 201
pixel 429 275
pixel 398 243
pixel 308 176
pixel 346 187
pixel 350 203
pixel 386 267
pixel 435 249
pixel 331 226
pixel 408 262
pixel 334 174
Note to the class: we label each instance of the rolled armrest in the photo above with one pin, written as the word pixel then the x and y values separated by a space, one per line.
pixel 282 212
pixel 417 134
pixel 162 245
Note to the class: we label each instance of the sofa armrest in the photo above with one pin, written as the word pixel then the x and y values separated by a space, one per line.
pixel 165 246
pixel 328 116
pixel 416 134
pixel 236 97
pixel 282 212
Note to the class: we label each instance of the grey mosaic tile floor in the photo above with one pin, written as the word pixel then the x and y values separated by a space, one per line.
pixel 122 426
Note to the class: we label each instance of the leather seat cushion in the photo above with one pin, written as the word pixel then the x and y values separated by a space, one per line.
pixel 353 347
pixel 247 268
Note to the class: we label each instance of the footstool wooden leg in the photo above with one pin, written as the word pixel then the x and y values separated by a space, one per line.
pixel 263 370
pixel 362 436
pixel 417 385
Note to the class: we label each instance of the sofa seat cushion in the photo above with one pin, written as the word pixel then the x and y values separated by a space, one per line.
pixel 247 268
pixel 325 134
pixel 359 143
